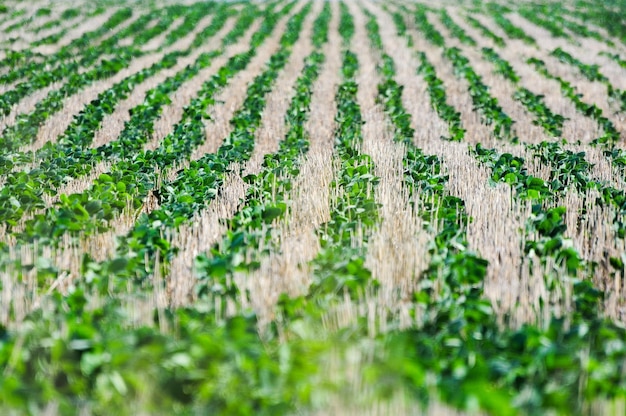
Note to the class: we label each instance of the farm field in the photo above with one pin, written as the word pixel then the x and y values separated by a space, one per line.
pixel 312 208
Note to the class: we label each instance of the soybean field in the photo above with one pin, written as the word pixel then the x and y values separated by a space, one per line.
pixel 298 207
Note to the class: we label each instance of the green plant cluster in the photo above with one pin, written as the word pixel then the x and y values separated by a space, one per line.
pixel 571 170
pixel 71 155
pixel 399 23
pixel 455 30
pixel 484 102
pixel 611 135
pixel 497 40
pixel 266 200
pixel 340 265
pixel 592 73
pixel 551 122
pixel 58 65
pixel 615 57
pixel 438 99
pixel 498 14
pixel 544 117
pixel 430 32
pixel 19 58
pixel 205 357
pixel 503 67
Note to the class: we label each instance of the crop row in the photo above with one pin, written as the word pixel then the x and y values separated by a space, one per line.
pixel 611 135
pixel 552 17
pixel 194 187
pixel 98 373
pixel 615 57
pixel 266 199
pixel 498 14
pixel 447 297
pixel 71 156
pixel 339 265
pixel 84 44
pixel 544 117
pixel 485 31
pixel 438 99
pixel 592 73
pixel 484 103
pixel 455 30
pixel 512 365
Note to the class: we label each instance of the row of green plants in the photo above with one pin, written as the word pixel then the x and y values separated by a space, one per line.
pixel 547 22
pixel 339 266
pixel 592 73
pixel 615 57
pixel 582 328
pixel 206 363
pixel 488 33
pixel 71 156
pixel 60 68
pixel 438 99
pixel 249 235
pixel 455 30
pixel 88 119
pixel 25 129
pixel 544 117
pixel 33 69
pixel 483 102
pixel 610 135
pixel 498 14
pixel 486 355
pixel 551 16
